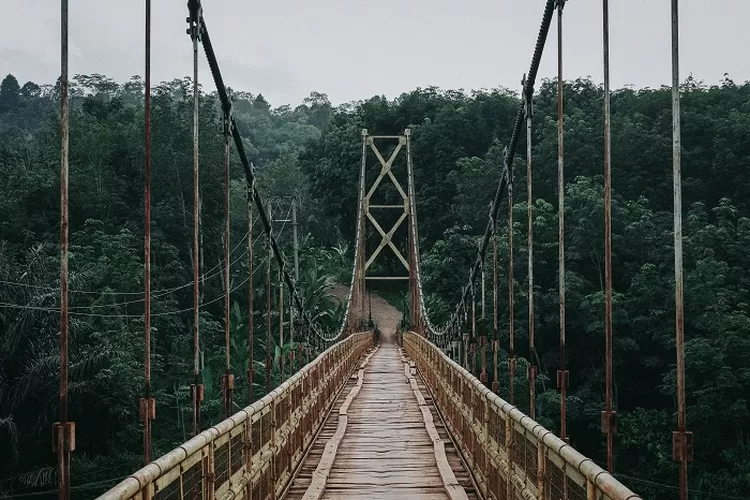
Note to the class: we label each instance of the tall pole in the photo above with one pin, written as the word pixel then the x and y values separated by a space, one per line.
pixel 473 369
pixel 281 326
pixel 530 209
pixel 147 404
pixel 228 378
pixel 495 331
pixel 511 330
pixel 269 344
pixel 608 416
pixel 562 374
pixel 682 439
pixel 197 388
pixel 250 293
pixel 63 430
pixel 483 340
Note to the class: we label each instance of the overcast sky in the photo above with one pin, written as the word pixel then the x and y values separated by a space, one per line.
pixel 353 49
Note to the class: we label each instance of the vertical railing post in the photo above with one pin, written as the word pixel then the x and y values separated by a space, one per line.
pixel 541 472
pixel 209 469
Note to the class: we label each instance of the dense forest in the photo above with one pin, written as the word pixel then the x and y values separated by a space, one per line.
pixel 313 151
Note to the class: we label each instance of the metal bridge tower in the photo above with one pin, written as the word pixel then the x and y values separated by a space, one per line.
pixel 373 213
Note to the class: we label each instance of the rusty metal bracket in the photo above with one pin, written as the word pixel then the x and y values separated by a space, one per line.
pixel 195 28
pixel 147 409
pixel 197 392
pixel 64 434
pixel 609 421
pixel 528 98
pixel 682 440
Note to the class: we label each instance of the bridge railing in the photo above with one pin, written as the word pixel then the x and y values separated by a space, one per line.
pixel 254 453
pixel 488 431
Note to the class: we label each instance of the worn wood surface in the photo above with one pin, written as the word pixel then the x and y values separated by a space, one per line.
pixel 386 451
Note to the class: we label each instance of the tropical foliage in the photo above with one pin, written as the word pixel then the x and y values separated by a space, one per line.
pixel 313 151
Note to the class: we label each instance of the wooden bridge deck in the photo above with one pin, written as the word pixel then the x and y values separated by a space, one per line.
pixel 386 451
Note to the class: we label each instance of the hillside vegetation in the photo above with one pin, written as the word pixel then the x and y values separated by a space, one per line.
pixel 313 151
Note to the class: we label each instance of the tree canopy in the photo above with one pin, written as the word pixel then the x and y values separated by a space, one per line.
pixel 313 151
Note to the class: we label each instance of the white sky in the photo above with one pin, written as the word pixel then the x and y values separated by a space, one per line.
pixel 353 49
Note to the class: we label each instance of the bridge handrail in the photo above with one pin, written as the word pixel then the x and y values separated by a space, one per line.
pixel 480 421
pixel 259 447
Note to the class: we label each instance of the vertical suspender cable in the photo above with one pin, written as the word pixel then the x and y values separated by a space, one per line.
pixel 511 330
pixel 197 388
pixel 281 326
pixel 292 365
pixel 511 298
pixel 250 293
pixel 562 377
pixel 682 439
pixel 63 429
pixel 473 369
pixel 495 331
pixel 528 99
pixel 608 416
pixel 147 404
pixel 483 340
pixel 269 346
pixel 228 379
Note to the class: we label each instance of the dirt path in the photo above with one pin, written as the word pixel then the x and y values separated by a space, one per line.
pixel 386 316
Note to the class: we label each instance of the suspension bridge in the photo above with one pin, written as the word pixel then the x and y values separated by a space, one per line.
pixel 412 414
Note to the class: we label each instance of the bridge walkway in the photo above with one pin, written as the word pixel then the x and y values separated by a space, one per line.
pixel 386 451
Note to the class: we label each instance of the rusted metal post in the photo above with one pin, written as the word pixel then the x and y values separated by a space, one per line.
pixel 147 403
pixel 562 373
pixel 228 378
pixel 269 344
pixel 495 331
pixel 250 293
pixel 473 369
pixel 292 365
pixel 197 387
pixel 608 415
pixel 466 351
pixel 682 440
pixel 281 326
pixel 64 430
pixel 529 109
pixel 511 300
pixel 483 340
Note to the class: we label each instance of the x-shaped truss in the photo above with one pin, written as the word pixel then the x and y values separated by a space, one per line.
pixel 386 169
